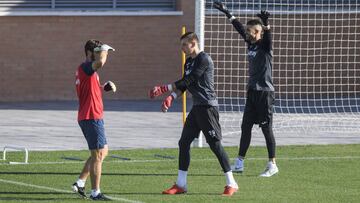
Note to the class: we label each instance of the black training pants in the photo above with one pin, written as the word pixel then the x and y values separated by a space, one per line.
pixel 258 110
pixel 205 119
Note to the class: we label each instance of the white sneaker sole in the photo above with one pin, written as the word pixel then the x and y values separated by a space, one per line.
pixel 237 170
pixel 267 175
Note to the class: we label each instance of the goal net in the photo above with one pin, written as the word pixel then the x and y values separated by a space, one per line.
pixel 316 65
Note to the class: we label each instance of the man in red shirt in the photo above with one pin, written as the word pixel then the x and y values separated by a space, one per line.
pixel 90 115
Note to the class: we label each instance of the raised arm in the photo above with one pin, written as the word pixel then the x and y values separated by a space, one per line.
pixel 235 22
pixel 100 59
pixel 100 55
pixel 266 41
pixel 239 27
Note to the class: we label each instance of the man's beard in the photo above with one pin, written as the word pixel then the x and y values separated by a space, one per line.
pixel 250 38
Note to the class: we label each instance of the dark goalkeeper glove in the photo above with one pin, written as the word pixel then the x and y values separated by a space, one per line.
pixel 264 16
pixel 222 7
pixel 109 86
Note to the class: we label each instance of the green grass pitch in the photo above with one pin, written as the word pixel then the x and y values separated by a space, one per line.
pixel 327 173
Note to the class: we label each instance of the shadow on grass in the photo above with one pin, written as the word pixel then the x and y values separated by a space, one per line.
pixel 160 194
pixel 247 175
pixel 104 174
pixel 119 194
pixel 206 194
pixel 36 199
pixel 36 193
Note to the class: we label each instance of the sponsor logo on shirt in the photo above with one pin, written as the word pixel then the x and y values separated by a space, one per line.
pixel 252 54
pixel 252 51
pixel 212 133
pixel 189 67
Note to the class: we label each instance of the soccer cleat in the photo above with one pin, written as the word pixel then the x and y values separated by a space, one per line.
pixel 175 190
pixel 100 197
pixel 270 170
pixel 238 167
pixel 229 191
pixel 79 190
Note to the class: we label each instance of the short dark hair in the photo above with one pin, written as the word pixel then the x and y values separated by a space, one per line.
pixel 254 22
pixel 91 44
pixel 189 36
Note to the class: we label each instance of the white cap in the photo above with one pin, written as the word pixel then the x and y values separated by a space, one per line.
pixel 104 47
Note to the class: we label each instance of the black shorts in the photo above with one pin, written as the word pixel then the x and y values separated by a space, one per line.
pixel 259 107
pixel 205 119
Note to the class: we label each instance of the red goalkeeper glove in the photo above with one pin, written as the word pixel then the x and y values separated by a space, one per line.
pixel 159 90
pixel 167 102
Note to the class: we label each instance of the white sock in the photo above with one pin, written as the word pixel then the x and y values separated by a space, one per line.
pixel 95 193
pixel 181 180
pixel 240 158
pixel 270 163
pixel 230 181
pixel 81 183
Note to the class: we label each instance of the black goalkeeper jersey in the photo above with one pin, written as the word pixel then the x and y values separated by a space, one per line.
pixel 260 60
pixel 199 80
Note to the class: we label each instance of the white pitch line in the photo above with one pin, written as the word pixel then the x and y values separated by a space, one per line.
pixel 123 199
pixel 166 160
pixel 35 186
pixel 59 190
pixel 319 158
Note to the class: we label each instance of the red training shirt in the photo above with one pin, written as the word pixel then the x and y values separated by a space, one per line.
pixel 89 92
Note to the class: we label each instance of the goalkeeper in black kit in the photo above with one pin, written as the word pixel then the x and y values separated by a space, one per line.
pixel 260 89
pixel 199 81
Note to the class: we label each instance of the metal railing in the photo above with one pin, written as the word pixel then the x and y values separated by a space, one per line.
pixel 123 5
pixel 291 5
